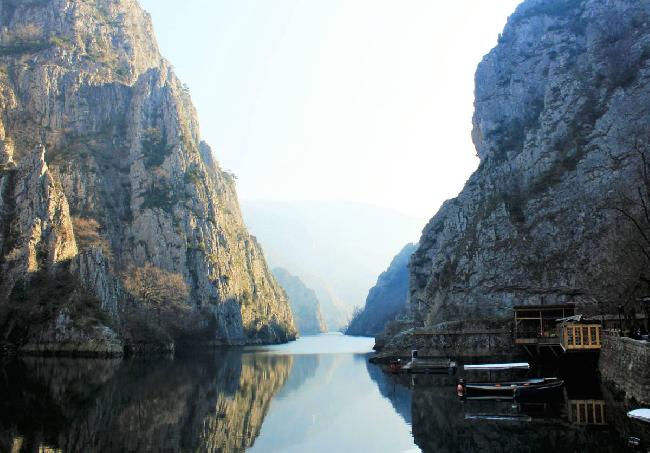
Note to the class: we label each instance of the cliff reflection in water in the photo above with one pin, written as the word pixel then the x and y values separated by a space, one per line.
pixel 215 403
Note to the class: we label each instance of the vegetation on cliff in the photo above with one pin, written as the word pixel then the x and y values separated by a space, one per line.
pixel 103 175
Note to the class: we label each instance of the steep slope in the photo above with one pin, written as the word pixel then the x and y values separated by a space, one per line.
pixel 386 299
pixel 561 122
pixel 303 301
pixel 100 152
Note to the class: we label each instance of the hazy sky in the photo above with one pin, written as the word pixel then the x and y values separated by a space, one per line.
pixel 358 100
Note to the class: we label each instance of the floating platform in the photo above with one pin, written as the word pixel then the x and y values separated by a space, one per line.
pixel 418 365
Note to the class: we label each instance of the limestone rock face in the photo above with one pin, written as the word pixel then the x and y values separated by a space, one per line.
pixel 303 301
pixel 386 299
pixel 118 146
pixel 561 118
pixel 36 220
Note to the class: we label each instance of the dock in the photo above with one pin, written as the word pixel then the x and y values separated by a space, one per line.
pixel 429 365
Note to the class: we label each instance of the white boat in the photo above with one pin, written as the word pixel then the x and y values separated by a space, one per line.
pixel 640 414
pixel 499 366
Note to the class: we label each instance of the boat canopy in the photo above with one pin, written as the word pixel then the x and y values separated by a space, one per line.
pixel 499 366
pixel 640 414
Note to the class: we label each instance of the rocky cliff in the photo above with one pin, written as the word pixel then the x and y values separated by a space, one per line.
pixel 303 301
pixel 103 176
pixel 561 129
pixel 386 299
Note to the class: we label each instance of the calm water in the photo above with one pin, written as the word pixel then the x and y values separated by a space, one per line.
pixel 318 394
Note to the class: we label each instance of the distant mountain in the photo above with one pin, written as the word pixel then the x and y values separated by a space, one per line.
pixel 335 312
pixel 342 245
pixel 303 301
pixel 386 298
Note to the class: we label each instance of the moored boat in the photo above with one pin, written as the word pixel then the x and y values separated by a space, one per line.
pixel 520 389
pixel 640 414
pixel 528 388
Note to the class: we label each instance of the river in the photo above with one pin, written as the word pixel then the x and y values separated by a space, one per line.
pixel 318 394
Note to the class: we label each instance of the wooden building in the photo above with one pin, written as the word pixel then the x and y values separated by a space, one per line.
pixel 579 334
pixel 556 327
pixel 537 324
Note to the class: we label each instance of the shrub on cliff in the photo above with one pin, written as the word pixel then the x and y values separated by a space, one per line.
pixel 87 234
pixel 160 311
pixel 36 301
pixel 157 288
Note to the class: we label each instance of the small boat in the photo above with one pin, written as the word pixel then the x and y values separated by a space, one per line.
pixel 640 414
pixel 542 388
pixel 498 366
pixel 525 389
pixel 520 389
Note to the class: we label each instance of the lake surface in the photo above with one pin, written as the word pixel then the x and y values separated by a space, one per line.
pixel 318 394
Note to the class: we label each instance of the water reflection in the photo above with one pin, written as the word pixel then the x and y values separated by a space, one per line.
pixel 585 418
pixel 312 395
pixel 337 408
pixel 206 404
pixel 394 388
pixel 442 423
pixel 319 394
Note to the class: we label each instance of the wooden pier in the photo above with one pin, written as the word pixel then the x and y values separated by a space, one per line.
pixel 556 328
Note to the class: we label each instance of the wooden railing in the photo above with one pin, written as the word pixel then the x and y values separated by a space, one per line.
pixel 580 336
pixel 587 412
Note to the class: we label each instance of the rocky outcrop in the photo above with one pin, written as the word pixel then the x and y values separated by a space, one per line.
pixel 560 126
pixel 386 299
pixel 120 174
pixel 93 270
pixel 37 229
pixel 303 301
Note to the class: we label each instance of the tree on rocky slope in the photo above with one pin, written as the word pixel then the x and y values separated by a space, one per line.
pixel 634 254
pixel 159 295
pixel 157 288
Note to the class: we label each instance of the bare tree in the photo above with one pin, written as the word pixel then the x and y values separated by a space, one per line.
pixel 634 209
pixel 157 288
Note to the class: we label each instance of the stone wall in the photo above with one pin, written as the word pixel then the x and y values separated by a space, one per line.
pixel 625 363
pixel 468 339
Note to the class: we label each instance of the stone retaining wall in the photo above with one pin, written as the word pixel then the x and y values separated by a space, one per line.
pixel 625 363
pixel 455 339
